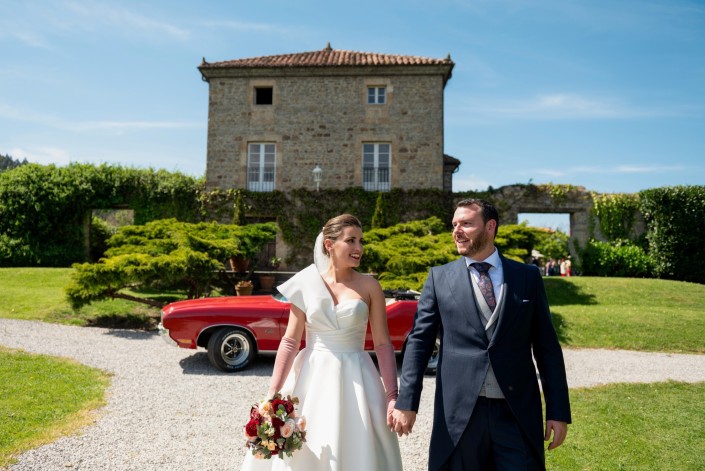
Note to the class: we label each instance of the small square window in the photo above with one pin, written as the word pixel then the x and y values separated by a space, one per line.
pixel 376 95
pixel 264 95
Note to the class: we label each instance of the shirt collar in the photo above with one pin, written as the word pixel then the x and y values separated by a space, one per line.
pixel 493 259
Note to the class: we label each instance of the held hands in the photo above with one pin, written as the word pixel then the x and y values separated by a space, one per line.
pixel 403 421
pixel 390 411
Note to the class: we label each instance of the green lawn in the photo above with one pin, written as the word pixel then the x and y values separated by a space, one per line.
pixel 634 427
pixel 616 427
pixel 38 294
pixel 628 313
pixel 42 398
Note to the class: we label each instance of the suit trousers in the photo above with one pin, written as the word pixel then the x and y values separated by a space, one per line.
pixel 492 440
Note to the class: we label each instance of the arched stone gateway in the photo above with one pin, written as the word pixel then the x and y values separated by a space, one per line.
pixel 561 199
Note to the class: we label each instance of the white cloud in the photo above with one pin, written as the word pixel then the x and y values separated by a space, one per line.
pixel 241 26
pixel 469 183
pixel 600 170
pixel 554 106
pixel 42 155
pixel 128 22
pixel 13 114
pixel 647 168
pixel 123 126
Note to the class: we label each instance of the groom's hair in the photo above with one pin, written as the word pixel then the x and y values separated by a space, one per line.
pixel 488 210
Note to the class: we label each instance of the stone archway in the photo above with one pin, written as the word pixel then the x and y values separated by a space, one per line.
pixel 575 201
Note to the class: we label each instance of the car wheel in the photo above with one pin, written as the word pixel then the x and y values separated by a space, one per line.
pixel 433 361
pixel 230 349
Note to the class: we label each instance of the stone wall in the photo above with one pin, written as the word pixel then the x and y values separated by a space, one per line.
pixel 324 119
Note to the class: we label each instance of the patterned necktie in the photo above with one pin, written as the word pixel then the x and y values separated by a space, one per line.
pixel 485 283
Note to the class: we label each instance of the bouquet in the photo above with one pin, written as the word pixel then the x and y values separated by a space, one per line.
pixel 274 428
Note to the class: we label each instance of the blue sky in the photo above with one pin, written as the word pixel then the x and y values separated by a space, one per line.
pixel 609 95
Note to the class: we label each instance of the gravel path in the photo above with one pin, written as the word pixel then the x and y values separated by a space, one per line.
pixel 168 409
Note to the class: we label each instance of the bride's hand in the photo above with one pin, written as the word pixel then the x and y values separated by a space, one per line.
pixel 390 412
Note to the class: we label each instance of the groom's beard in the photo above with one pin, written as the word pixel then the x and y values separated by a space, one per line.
pixel 476 245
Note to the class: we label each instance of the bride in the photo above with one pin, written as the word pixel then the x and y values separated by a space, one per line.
pixel 346 406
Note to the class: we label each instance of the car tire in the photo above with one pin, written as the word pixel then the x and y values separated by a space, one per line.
pixel 433 361
pixel 231 349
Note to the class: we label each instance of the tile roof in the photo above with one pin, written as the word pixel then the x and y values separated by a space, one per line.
pixel 327 57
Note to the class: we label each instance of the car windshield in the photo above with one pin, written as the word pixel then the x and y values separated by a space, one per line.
pixel 279 297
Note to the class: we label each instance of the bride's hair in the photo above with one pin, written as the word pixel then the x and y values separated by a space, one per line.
pixel 334 227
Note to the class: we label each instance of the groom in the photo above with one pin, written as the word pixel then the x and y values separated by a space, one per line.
pixel 491 314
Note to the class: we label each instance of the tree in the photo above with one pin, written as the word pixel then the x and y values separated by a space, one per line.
pixel 165 253
pixel 8 163
pixel 378 219
pixel 401 255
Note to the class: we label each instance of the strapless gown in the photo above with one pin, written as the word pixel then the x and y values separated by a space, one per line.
pixel 339 388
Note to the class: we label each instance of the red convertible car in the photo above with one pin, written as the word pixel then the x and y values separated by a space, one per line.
pixel 235 328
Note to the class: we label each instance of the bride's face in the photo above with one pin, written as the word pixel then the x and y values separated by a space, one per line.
pixel 346 250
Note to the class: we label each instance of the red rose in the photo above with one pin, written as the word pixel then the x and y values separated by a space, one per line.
pixel 288 405
pixel 276 424
pixel 251 428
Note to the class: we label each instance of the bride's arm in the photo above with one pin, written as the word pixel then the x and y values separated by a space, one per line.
pixel 383 347
pixel 288 348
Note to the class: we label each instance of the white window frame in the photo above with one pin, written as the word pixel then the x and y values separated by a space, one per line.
pixel 377 95
pixel 261 166
pixel 376 173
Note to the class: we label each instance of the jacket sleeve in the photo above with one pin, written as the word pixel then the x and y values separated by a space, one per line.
pixel 549 358
pixel 419 347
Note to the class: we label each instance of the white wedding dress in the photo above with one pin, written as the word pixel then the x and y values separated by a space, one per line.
pixel 339 389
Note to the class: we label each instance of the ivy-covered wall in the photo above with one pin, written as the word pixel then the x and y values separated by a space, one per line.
pixel 302 213
pixel 45 209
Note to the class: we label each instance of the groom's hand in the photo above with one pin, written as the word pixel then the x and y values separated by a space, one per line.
pixel 403 421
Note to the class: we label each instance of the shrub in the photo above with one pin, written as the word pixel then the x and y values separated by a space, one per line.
pixel 621 258
pixel 165 253
pixel 675 219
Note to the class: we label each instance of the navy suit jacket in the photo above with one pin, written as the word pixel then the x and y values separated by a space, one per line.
pixel 447 307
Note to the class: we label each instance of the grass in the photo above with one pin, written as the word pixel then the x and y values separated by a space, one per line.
pixel 616 427
pixel 38 294
pixel 628 313
pixel 43 398
pixel 634 427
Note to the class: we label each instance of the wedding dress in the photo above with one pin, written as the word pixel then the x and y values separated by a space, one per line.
pixel 339 389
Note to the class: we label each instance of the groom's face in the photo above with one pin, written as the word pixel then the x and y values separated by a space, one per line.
pixel 471 235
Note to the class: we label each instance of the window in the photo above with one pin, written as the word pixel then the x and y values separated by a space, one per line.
pixel 261 161
pixel 376 95
pixel 264 95
pixel 376 162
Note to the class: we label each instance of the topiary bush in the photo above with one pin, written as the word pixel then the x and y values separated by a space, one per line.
pixel 165 253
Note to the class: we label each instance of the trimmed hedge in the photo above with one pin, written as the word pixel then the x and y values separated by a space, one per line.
pixel 675 220
pixel 44 208
pixel 622 259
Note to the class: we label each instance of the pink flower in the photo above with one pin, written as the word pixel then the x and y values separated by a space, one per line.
pixel 287 429
pixel 259 454
pixel 301 423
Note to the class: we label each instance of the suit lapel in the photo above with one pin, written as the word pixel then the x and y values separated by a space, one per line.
pixel 461 293
pixel 506 309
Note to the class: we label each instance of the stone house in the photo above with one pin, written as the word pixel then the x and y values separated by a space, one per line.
pixel 360 119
